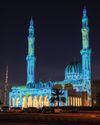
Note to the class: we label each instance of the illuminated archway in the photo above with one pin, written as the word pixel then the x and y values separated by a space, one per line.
pixel 80 101
pixel 24 102
pixel 40 103
pixel 46 101
pixel 29 101
pixel 35 102
pixel 68 100
pixel 76 102
pixel 17 102
pixel 71 101
pixel 12 102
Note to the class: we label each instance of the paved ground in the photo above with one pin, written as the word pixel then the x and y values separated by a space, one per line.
pixel 13 123
pixel 89 118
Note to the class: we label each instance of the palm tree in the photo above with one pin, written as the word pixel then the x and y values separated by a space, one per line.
pixel 0 104
pixel 96 92
pixel 57 95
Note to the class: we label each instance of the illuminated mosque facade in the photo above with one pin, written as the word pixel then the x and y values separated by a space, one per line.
pixel 77 74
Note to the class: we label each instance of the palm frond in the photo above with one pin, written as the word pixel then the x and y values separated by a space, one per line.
pixel 63 99
pixel 57 95
pixel 53 94
pixel 52 99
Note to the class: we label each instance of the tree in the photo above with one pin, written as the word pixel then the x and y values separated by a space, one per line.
pixel 57 95
pixel 96 92
pixel 0 103
pixel 98 98
pixel 57 86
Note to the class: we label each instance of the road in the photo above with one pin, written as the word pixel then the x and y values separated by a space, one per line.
pixel 87 118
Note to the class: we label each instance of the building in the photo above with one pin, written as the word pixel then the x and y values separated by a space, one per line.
pixel 77 74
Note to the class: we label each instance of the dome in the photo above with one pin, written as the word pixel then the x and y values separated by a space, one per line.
pixel 74 67
pixel 73 71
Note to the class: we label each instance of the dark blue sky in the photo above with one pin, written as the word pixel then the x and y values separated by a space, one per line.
pixel 57 34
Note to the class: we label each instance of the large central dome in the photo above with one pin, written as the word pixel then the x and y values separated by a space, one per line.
pixel 73 71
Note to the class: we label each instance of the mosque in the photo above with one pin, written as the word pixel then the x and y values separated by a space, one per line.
pixel 76 74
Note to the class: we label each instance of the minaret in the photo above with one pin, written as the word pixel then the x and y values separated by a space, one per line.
pixel 6 87
pixel 31 57
pixel 86 57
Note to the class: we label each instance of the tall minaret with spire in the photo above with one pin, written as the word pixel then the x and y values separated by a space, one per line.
pixel 86 57
pixel 31 57
pixel 6 87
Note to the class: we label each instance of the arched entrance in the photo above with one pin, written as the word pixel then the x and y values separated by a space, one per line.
pixel 40 103
pixel 12 102
pixel 17 102
pixel 30 101
pixel 35 102
pixel 46 101
pixel 24 102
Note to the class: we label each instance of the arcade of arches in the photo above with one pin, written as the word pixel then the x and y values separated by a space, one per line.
pixel 39 101
pixel 74 101
pixel 36 101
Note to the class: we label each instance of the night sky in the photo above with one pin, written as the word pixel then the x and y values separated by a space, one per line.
pixel 57 37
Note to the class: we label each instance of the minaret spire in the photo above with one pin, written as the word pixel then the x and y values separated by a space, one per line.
pixel 31 56
pixel 31 28
pixel 31 21
pixel 85 18
pixel 6 87
pixel 85 30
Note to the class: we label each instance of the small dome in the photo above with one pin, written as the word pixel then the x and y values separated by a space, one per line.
pixel 73 71
pixel 74 67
